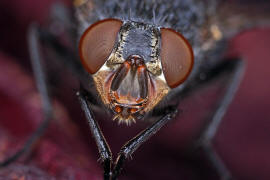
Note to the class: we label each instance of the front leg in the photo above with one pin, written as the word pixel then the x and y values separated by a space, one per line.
pixel 103 147
pixel 132 145
pixel 233 70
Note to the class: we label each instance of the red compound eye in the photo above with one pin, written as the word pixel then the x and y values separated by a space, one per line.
pixel 97 42
pixel 176 57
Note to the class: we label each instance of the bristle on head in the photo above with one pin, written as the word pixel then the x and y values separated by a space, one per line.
pixel 128 121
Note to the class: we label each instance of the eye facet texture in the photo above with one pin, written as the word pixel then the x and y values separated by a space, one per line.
pixel 97 42
pixel 176 57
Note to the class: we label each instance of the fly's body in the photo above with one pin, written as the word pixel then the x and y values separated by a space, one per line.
pixel 141 55
pixel 130 90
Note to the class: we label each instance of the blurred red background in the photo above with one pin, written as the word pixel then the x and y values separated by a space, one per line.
pixel 68 151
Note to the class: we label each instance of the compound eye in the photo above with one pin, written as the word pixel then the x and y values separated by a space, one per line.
pixel 97 42
pixel 176 57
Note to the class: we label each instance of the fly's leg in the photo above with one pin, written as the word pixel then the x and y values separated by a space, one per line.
pixel 234 70
pixel 129 148
pixel 103 147
pixel 36 59
pixel 38 37
pixel 35 36
pixel 132 145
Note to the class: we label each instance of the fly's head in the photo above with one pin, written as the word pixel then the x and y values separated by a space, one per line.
pixel 134 65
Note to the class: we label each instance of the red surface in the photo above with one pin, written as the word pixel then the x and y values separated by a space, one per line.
pixel 68 151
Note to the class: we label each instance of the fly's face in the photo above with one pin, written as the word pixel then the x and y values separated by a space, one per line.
pixel 134 65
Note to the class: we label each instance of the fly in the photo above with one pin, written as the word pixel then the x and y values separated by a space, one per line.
pixel 142 59
pixel 128 79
